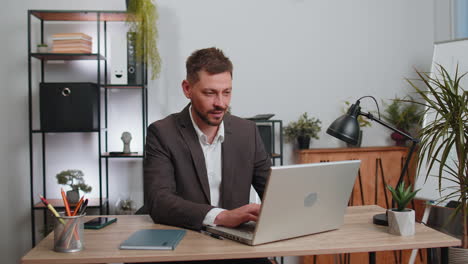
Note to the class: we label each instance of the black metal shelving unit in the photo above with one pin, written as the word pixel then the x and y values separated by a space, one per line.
pixel 101 18
pixel 275 126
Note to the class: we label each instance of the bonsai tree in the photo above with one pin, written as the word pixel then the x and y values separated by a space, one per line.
pixel 303 130
pixel 448 131
pixel 141 18
pixel 403 115
pixel 74 179
pixel 402 196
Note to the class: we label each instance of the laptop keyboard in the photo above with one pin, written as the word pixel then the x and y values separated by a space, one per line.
pixel 248 227
pixel 245 230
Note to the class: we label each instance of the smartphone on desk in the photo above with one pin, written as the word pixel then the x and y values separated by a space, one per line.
pixel 99 222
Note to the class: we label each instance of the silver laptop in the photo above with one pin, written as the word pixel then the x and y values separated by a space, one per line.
pixel 298 200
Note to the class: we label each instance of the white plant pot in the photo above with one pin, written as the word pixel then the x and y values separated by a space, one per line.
pixel 42 49
pixel 401 223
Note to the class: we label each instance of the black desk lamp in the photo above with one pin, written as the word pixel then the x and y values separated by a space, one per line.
pixel 346 128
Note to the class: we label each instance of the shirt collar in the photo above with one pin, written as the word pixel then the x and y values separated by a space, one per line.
pixel 202 137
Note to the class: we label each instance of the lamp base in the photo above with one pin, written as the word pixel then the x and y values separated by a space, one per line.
pixel 380 219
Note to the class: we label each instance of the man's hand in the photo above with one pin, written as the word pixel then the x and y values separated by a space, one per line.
pixel 235 217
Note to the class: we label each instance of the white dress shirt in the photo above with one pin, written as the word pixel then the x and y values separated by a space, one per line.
pixel 213 162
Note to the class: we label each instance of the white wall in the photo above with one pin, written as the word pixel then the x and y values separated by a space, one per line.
pixel 290 56
pixel 300 56
pixel 444 12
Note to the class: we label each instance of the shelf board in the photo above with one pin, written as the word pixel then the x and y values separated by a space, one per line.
pixel 265 120
pixel 79 15
pixel 83 131
pixel 131 155
pixel 58 203
pixel 275 155
pixel 68 56
pixel 124 86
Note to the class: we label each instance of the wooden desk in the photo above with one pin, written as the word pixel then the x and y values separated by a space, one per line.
pixel 358 234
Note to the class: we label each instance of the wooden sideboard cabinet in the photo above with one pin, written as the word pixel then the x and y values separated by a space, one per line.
pixel 379 166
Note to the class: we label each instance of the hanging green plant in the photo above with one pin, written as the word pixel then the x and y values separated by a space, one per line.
pixel 141 18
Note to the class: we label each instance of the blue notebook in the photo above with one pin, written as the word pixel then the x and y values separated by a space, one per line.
pixel 159 239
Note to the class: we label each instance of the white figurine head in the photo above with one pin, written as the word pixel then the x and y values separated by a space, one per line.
pixel 126 137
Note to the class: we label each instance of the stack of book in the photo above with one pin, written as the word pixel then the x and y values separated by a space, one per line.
pixel 71 43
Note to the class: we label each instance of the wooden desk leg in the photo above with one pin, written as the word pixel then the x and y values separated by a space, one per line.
pixel 371 257
pixel 444 255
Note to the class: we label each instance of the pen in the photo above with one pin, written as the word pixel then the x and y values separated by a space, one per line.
pixel 211 234
pixel 51 208
pixel 65 202
pixel 78 206
pixel 83 207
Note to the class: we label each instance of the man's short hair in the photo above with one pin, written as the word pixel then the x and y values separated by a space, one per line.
pixel 211 60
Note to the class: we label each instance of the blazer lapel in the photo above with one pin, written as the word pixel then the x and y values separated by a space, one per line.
pixel 227 168
pixel 190 136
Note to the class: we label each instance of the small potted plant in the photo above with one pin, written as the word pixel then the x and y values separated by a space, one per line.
pixel 303 130
pixel 42 48
pixel 74 179
pixel 403 115
pixel 401 219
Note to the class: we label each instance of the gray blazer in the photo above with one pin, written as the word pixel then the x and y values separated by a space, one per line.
pixel 175 179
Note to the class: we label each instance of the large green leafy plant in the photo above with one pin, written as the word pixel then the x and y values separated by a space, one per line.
pixel 303 127
pixel 447 101
pixel 142 17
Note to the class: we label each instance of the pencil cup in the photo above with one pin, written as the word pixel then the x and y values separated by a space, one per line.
pixel 68 233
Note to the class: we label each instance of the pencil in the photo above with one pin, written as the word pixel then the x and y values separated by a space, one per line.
pixel 65 202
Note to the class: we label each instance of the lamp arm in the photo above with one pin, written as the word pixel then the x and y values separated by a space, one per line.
pixel 408 159
pixel 405 167
pixel 371 117
pixel 410 152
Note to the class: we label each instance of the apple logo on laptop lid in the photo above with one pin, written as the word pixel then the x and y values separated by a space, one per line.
pixel 310 199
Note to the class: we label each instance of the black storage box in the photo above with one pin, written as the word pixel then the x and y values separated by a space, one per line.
pixel 69 107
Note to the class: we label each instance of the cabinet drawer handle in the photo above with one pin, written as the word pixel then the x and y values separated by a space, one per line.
pixel 66 91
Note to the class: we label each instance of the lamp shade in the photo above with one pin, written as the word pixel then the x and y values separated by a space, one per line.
pixel 346 127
